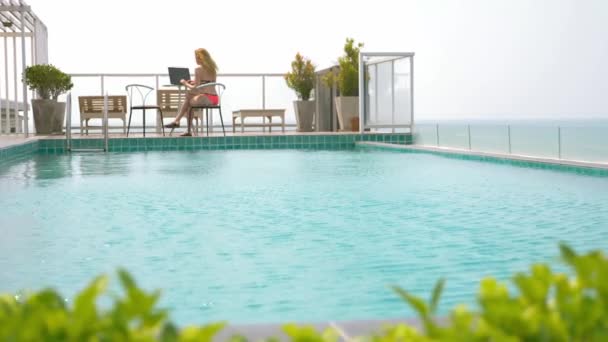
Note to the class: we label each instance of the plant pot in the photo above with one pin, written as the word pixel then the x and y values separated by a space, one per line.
pixel 305 112
pixel 347 108
pixel 48 116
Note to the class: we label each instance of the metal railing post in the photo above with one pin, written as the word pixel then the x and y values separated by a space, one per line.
pixel 509 137
pixel 362 93
pixel 26 113
pixel 158 121
pixel 16 92
pixel 263 92
pixel 264 100
pixel 105 122
pixel 469 134
pixel 559 142
pixel 392 94
pixel 102 84
pixel 68 123
pixel 437 134
pixel 6 86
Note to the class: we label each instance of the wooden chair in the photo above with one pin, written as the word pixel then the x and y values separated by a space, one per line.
pixel 91 107
pixel 169 101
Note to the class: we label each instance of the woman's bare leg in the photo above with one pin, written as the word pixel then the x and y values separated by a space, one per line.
pixel 200 99
pixel 185 107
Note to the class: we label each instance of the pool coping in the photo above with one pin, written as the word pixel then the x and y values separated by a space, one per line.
pixel 318 141
pixel 562 164
pixel 386 141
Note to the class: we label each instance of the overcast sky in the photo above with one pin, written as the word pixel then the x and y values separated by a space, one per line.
pixel 474 58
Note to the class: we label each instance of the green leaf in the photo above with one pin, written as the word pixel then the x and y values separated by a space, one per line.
pixel 418 304
pixel 169 333
pixel 567 253
pixel 126 280
pixel 436 295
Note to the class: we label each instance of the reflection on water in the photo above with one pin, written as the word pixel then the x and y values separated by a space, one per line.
pixel 78 165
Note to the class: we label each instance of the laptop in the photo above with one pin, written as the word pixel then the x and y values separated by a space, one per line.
pixel 178 74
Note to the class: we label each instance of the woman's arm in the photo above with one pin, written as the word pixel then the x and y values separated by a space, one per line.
pixel 197 79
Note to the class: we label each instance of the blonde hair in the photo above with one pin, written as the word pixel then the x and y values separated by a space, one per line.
pixel 204 58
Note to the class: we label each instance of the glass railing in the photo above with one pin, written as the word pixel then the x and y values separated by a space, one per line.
pixel 580 142
pixel 258 91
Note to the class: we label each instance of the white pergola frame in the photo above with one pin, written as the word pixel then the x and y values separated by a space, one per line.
pixel 389 56
pixel 19 23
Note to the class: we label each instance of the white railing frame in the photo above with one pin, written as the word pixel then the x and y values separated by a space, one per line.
pixel 105 122
pixel 68 123
pixel 388 57
pixel 156 76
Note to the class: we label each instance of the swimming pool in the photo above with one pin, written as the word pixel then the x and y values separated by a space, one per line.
pixel 280 235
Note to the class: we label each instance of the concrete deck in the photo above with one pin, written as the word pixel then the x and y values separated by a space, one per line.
pixel 12 140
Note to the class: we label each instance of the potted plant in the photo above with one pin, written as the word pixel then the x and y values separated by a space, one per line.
pixel 48 82
pixel 301 79
pixel 347 80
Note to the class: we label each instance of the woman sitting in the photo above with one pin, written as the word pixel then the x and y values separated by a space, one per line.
pixel 206 72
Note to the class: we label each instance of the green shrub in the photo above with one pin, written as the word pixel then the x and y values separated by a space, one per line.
pixel 45 316
pixel 48 81
pixel 301 78
pixel 547 306
pixel 347 76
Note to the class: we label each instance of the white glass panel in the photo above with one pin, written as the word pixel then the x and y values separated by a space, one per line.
pixel 490 138
pixel 403 99
pixel 585 143
pixel 372 101
pixel 388 91
pixel 453 136
pixel 241 93
pixel 280 96
pixel 426 135
pixel 536 141
pixel 384 86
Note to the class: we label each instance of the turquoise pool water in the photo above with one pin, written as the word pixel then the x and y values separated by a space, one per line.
pixel 278 235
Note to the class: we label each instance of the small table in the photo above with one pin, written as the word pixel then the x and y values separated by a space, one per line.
pixel 263 113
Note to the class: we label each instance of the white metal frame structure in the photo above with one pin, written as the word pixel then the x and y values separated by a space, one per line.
pixel 154 81
pixel 403 118
pixel 19 28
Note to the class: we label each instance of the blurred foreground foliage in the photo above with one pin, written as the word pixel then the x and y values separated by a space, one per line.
pixel 546 306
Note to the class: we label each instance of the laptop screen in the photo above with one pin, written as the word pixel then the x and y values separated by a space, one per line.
pixel 178 74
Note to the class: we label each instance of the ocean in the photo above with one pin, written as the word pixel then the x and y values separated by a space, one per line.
pixel 573 139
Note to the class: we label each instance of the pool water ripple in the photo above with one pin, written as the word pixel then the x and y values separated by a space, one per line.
pixel 266 236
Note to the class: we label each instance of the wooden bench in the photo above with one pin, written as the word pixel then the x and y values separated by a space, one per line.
pixel 91 107
pixel 259 113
